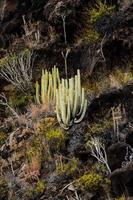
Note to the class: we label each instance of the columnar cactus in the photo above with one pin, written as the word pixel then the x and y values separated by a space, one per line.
pixel 71 103
pixel 49 84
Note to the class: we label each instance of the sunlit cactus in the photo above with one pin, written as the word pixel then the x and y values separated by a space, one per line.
pixel 71 103
pixel 49 83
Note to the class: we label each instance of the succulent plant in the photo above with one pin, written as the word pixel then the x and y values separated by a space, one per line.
pixel 71 103
pixel 49 84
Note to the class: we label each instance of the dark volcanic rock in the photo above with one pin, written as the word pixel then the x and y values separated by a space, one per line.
pixel 122 181
pixel 100 105
pixel 116 155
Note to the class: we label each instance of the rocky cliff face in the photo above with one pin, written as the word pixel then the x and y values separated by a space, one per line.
pixel 39 160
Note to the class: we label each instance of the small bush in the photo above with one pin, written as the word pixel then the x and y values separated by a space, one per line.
pixel 89 181
pixel 91 35
pixel 55 138
pixel 92 16
pixel 40 187
pixel 36 190
pixel 100 10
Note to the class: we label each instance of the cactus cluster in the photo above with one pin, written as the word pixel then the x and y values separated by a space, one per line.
pixel 71 103
pixel 49 84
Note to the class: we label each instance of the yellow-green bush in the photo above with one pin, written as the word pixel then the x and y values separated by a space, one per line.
pixel 53 138
pixel 100 10
pixel 92 15
pixel 40 187
pixel 121 198
pixel 36 190
pixel 89 181
pixel 90 34
pixel 56 138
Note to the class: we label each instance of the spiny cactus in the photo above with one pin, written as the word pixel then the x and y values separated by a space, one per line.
pixel 49 84
pixel 71 103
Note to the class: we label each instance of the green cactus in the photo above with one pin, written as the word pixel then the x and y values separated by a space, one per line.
pixel 49 84
pixel 71 104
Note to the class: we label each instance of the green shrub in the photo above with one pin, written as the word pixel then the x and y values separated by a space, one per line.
pixel 89 181
pixel 40 187
pixel 91 35
pixel 55 138
pixel 100 10
pixel 92 15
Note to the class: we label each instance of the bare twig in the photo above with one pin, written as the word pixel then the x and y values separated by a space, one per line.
pixel 99 152
pixel 64 27
pixel 65 56
pixel 101 48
